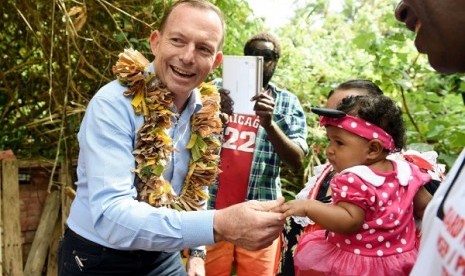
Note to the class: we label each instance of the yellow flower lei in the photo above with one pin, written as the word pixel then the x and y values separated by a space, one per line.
pixel 153 145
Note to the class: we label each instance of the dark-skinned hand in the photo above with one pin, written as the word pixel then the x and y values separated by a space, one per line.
pixel 226 105
pixel 264 106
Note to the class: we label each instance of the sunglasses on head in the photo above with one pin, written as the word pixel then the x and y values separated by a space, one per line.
pixel 267 54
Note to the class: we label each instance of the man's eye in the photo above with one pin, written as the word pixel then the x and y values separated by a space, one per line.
pixel 176 41
pixel 206 50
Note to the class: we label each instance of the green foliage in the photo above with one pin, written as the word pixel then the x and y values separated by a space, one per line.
pixel 323 49
pixel 240 25
pixel 56 55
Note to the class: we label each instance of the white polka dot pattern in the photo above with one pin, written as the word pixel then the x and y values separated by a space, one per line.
pixel 361 128
pixel 388 214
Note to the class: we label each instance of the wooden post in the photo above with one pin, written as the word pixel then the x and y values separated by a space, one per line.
pixel 12 258
pixel 52 266
pixel 67 191
pixel 1 219
pixel 65 184
pixel 43 237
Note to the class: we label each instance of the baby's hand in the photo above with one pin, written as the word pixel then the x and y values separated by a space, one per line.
pixel 294 208
pixel 278 209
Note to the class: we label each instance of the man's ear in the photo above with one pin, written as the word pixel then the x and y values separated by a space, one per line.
pixel 375 149
pixel 218 59
pixel 154 41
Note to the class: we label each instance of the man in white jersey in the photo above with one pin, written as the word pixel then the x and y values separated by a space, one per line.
pixel 440 33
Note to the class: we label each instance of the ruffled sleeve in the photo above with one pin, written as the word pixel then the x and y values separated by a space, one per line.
pixel 348 187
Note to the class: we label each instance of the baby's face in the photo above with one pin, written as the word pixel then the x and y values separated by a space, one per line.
pixel 345 149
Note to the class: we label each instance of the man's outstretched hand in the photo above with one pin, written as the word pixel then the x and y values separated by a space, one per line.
pixel 252 225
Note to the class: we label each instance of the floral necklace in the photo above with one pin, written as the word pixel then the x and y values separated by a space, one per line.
pixel 151 98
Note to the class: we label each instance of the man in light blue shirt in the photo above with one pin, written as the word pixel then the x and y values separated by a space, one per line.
pixel 110 231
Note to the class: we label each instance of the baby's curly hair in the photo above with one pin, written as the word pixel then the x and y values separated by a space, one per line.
pixel 379 110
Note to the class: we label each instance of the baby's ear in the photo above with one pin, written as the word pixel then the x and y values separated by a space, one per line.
pixel 375 149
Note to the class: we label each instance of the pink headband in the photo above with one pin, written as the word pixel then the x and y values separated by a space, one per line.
pixel 361 128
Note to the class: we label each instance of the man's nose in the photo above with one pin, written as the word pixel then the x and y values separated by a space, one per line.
pixel 401 12
pixel 188 54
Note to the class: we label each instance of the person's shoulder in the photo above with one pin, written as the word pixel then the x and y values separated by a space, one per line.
pixel 111 90
pixel 362 173
pixel 111 95
pixel 417 173
pixel 355 171
pixel 358 181
pixel 282 92
pixel 426 161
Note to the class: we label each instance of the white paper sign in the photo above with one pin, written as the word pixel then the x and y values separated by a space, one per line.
pixel 242 76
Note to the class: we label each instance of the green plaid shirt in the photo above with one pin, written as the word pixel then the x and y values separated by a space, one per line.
pixel 264 181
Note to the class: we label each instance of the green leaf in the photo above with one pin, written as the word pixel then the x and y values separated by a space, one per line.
pixel 23 52
pixel 198 148
pixel 158 169
pixel 147 170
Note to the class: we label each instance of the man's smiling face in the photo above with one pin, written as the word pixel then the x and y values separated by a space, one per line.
pixel 187 49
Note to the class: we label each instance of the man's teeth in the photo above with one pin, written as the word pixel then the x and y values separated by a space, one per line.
pixel 177 70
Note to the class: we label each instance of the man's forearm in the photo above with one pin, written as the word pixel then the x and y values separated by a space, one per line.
pixel 291 153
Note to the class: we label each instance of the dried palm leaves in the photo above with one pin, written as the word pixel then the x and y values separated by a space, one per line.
pixel 153 146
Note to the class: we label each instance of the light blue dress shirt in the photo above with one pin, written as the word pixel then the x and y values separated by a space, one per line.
pixel 105 209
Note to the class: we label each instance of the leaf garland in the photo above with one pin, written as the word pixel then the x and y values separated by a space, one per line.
pixel 154 101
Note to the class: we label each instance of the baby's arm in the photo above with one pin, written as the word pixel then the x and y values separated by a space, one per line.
pixel 343 218
pixel 421 199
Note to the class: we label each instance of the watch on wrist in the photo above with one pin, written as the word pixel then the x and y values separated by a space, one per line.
pixel 198 253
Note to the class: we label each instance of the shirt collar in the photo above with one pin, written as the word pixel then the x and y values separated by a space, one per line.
pixel 194 103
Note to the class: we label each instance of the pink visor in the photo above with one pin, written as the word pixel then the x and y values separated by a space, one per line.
pixel 361 128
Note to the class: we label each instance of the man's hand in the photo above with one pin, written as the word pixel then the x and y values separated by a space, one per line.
pixel 251 225
pixel 264 106
pixel 289 151
pixel 195 266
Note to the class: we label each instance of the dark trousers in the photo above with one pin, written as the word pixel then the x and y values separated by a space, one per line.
pixel 79 256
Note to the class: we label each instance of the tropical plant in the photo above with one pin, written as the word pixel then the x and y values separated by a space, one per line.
pixel 56 54
pixel 323 48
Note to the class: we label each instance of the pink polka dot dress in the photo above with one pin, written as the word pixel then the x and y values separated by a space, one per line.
pixel 386 244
